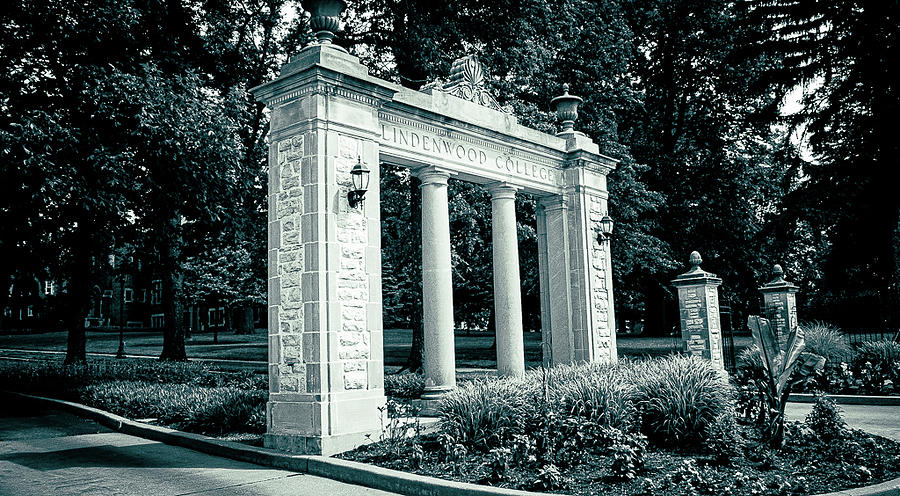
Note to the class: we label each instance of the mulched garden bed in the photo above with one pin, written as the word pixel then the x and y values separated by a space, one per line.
pixel 805 465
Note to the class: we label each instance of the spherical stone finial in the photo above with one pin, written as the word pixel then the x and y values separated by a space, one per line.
pixel 777 274
pixel 695 259
pixel 566 107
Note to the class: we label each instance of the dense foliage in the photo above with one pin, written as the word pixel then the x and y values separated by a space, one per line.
pixel 115 135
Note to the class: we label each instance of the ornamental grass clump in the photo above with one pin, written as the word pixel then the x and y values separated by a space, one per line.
pixel 204 410
pixel 597 392
pixel 828 342
pixel 488 413
pixel 678 397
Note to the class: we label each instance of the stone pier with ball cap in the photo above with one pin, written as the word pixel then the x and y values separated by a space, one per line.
pixel 698 306
pixel 780 305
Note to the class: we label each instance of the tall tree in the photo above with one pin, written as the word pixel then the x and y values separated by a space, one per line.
pixel 846 54
pixel 55 57
pixel 706 140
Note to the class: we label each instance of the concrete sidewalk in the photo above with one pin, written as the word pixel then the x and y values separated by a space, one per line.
pixel 57 453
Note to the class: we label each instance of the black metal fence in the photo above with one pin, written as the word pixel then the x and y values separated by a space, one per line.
pixel 725 318
pixel 860 336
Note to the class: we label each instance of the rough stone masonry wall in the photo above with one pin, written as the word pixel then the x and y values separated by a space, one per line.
pixel 352 279
pixel 287 371
pixel 599 289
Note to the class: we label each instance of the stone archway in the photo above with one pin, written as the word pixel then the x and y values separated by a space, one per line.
pixel 324 257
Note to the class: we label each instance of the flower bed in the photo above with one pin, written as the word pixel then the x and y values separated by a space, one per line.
pixel 871 368
pixel 664 426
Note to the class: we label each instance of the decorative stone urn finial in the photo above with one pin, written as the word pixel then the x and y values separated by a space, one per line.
pixel 324 18
pixel 566 107
pixel 695 260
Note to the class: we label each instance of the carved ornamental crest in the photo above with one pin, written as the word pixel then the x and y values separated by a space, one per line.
pixel 467 81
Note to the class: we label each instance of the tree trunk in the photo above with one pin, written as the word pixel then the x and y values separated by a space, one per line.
pixel 78 299
pixel 173 330
pixel 242 320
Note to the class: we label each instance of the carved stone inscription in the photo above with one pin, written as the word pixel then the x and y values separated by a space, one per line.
pixel 701 329
pixel 446 148
pixel 781 309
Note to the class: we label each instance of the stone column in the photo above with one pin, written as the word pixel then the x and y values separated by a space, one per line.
pixel 698 304
pixel 780 305
pixel 437 285
pixel 507 290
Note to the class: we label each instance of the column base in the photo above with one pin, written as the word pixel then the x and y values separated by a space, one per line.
pixel 427 408
pixel 319 445
pixel 435 392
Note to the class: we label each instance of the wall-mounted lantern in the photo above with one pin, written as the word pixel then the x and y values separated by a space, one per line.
pixel 359 174
pixel 606 229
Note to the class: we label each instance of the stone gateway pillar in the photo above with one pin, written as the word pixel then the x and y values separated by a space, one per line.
pixel 325 334
pixel 780 305
pixel 698 304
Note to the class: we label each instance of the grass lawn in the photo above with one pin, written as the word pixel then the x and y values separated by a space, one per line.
pixel 473 350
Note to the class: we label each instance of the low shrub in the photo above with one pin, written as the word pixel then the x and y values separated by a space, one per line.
pixel 825 419
pixel 407 386
pixel 678 397
pixel 628 451
pixel 204 410
pixel 723 438
pixel 877 367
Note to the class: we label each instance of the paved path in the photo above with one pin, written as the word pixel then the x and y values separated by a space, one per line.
pixel 879 420
pixel 43 453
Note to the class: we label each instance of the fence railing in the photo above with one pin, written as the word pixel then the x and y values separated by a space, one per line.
pixel 860 336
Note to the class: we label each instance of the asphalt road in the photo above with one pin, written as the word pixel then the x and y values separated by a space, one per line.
pixel 55 453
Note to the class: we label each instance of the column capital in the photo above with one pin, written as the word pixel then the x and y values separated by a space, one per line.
pixel 502 190
pixel 553 202
pixel 432 175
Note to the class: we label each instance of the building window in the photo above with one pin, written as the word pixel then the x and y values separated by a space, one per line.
pixel 157 321
pixel 156 292
pixel 128 296
pixel 30 310
pixel 143 296
pixel 107 293
pixel 48 288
